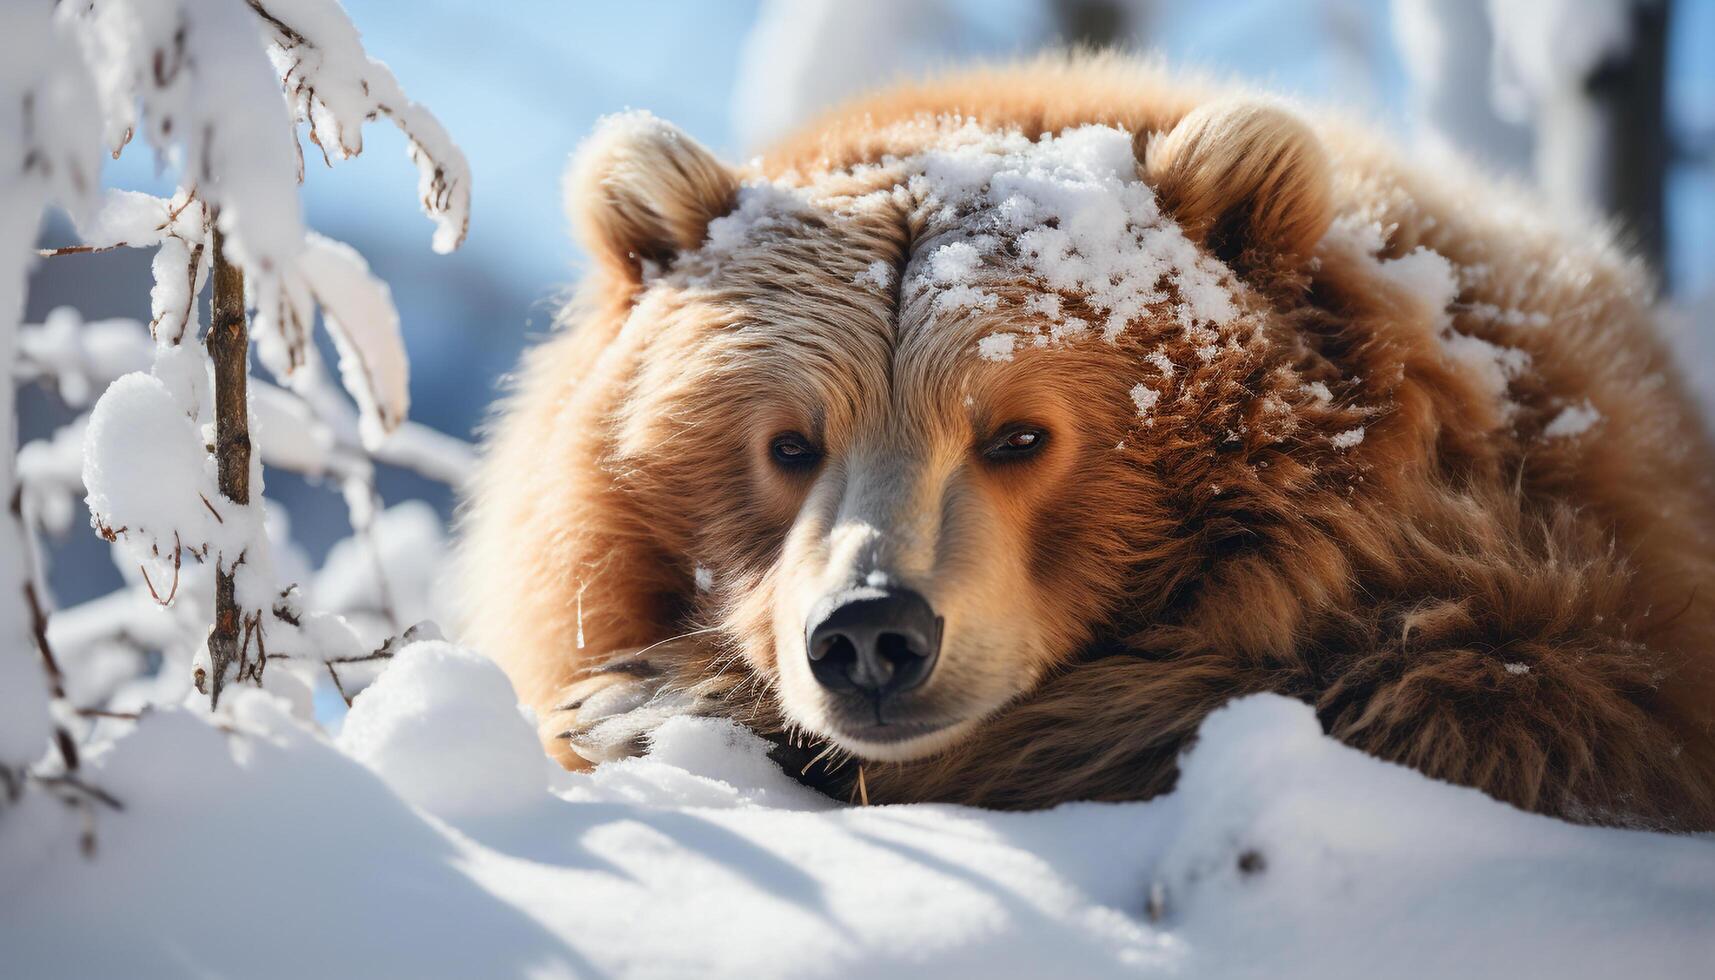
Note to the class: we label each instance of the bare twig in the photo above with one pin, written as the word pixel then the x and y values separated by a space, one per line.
pixel 49 253
pixel 82 788
pixel 382 654
pixel 174 590
pixel 39 628
pixel 336 683
pixel 191 295
pixel 107 713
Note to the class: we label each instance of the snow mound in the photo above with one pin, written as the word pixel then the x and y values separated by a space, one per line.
pixel 442 728
pixel 430 839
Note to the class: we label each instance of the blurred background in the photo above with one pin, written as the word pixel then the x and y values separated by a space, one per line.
pixel 1606 104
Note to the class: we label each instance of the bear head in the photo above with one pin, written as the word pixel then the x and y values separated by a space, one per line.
pixel 924 429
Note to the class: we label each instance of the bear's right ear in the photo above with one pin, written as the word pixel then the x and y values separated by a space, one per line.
pixel 641 190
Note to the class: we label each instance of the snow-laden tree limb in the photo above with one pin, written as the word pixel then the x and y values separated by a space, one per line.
pixel 195 77
pixel 178 229
pixel 335 87
pixel 49 153
pixel 358 311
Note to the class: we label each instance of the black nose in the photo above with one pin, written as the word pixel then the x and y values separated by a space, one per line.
pixel 876 642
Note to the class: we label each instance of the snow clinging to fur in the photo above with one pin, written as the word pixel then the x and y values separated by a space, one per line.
pixel 1433 281
pixel 1079 222
pixel 1144 398
pixel 1573 420
pixel 1349 439
pixel 878 274
pixel 997 346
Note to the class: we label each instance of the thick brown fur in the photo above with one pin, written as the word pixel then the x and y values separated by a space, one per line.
pixel 1529 614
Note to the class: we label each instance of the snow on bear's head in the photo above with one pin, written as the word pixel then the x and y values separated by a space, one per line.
pixel 927 426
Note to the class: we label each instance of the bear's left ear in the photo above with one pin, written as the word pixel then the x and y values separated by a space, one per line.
pixel 641 190
pixel 1241 175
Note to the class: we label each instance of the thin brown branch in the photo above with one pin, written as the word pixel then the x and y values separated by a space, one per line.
pixel 381 654
pixel 108 713
pixel 33 602
pixel 73 783
pixel 39 627
pixel 49 253
pixel 218 519
pixel 174 591
pixel 336 683
pixel 285 30
pixel 229 348
pixel 190 295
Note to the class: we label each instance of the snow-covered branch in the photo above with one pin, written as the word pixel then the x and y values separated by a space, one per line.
pixel 335 87
pixel 170 455
pixel 48 129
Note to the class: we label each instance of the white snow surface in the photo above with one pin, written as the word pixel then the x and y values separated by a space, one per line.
pixel 432 839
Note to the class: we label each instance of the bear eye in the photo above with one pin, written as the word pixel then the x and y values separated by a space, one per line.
pixel 792 451
pixel 1015 442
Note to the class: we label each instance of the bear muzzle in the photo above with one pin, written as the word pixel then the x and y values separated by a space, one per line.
pixel 873 642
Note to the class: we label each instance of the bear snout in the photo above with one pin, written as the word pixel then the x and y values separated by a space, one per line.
pixel 873 642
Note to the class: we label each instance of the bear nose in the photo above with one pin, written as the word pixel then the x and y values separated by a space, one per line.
pixel 876 642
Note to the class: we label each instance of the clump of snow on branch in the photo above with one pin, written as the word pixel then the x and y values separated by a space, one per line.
pixel 206 94
pixel 358 311
pixel 149 474
pixel 178 230
pixel 335 87
pixel 196 79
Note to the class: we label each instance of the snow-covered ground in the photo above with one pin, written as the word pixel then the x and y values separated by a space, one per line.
pixel 431 838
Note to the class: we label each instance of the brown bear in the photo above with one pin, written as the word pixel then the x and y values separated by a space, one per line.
pixel 976 443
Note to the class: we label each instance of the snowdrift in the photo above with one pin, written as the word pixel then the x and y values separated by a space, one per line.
pixel 430 838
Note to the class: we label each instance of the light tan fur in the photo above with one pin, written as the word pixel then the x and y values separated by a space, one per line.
pixel 1530 615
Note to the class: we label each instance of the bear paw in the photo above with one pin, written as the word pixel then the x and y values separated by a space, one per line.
pixel 610 715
